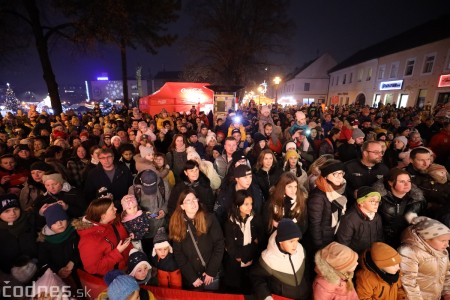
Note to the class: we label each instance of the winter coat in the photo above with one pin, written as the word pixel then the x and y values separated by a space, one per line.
pixel 347 152
pixel 17 177
pixel 152 203
pixel 319 216
pixel 76 169
pixel 370 285
pixel 266 180
pixel 280 273
pixel 426 271
pixel 207 168
pixel 234 245
pixel 327 147
pixel 358 231
pixel 176 162
pixel 73 197
pixel 17 239
pixel 203 188
pixel 393 211
pixel 358 175
pixel 97 178
pixel 211 246
pixel 29 193
pixel 98 244
pixel 221 164
pixel 328 285
pixel 302 176
pixel 56 250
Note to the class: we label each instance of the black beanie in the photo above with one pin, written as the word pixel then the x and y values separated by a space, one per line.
pixel 287 230
pixel 41 166
pixel 331 166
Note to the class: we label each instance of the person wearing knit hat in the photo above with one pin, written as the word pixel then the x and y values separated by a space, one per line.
pixel 291 146
pixel 335 266
pixel 120 286
pixel 362 225
pixel 18 236
pixel 205 166
pixel 162 258
pixel 135 221
pixel 54 177
pixel 327 203
pixel 424 259
pixel 56 218
pixel 283 256
pixel 379 276
pixel 291 154
pixel 397 155
pixel 138 266
pixel 358 135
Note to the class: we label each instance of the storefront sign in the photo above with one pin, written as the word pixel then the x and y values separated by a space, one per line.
pixel 444 81
pixel 391 85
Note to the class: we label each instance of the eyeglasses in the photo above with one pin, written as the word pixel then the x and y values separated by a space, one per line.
pixel 340 173
pixel 106 157
pixel 374 202
pixel 190 201
pixel 376 152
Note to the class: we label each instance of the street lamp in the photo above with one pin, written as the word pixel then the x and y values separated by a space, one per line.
pixel 277 81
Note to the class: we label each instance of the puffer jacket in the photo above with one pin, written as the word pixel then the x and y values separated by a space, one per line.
pixel 369 284
pixel 394 212
pixel 280 273
pixel 98 244
pixel 358 231
pixel 328 285
pixel 426 271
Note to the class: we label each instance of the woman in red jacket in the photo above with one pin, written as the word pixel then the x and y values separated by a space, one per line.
pixel 104 243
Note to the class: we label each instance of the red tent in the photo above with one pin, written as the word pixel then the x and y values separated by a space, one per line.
pixel 178 96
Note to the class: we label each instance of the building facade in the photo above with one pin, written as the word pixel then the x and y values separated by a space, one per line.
pixel 411 69
pixel 307 84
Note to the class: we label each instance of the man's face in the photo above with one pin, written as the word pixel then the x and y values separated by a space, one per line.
pixel 237 136
pixel 300 117
pixel 373 154
pixel 204 131
pixel 244 182
pixel 193 138
pixel 366 124
pixel 268 130
pixel 230 147
pixel 359 140
pixel 3 137
pixel 8 163
pixel 289 246
pixel 422 161
pixel 107 160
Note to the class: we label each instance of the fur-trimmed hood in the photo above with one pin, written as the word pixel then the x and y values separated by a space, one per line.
pixel 325 270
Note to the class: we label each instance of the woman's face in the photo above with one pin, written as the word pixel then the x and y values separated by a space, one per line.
pixel 117 143
pixel 179 142
pixel 95 154
pixel 267 161
pixel 141 272
pixel 81 152
pixel 109 215
pixel 59 226
pixel 190 204
pixel 37 175
pixel 398 144
pixel 37 145
pixel 192 174
pixel 246 208
pixel 212 143
pixel 403 184
pixel 293 161
pixel 337 178
pixel 53 186
pixel 25 154
pixel 291 189
pixel 10 215
pixel 313 133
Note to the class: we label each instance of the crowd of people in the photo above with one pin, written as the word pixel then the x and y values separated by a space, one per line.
pixel 305 202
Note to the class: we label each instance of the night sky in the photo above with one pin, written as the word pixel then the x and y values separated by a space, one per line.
pixel 337 27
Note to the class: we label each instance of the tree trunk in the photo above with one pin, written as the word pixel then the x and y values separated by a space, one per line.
pixel 42 48
pixel 123 57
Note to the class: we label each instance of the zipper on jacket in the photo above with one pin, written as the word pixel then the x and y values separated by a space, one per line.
pixel 381 293
pixel 293 270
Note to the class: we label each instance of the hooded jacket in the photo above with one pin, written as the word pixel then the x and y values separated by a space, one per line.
pixel 98 244
pixel 426 271
pixel 369 285
pixel 328 285
pixel 280 273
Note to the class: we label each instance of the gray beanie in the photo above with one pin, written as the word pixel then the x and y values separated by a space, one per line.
pixel 357 133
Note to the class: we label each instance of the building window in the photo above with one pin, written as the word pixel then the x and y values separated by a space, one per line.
pixel 381 71
pixel 369 74
pixel 428 63
pixel 351 77
pixel 360 75
pixel 306 88
pixel 394 70
pixel 410 66
pixel 447 61
pixel 345 79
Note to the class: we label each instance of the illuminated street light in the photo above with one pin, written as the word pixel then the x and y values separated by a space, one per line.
pixel 277 81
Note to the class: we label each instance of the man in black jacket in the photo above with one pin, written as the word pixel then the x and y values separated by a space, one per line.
pixel 365 171
pixel 116 177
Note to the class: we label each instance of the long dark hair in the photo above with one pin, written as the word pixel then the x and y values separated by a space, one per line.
pixel 239 199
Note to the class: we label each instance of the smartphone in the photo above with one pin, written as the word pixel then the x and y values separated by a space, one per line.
pixel 154 215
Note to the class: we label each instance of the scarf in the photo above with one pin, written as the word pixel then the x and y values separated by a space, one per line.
pixel 337 199
pixel 389 278
pixel 94 161
pixel 60 237
pixel 246 229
